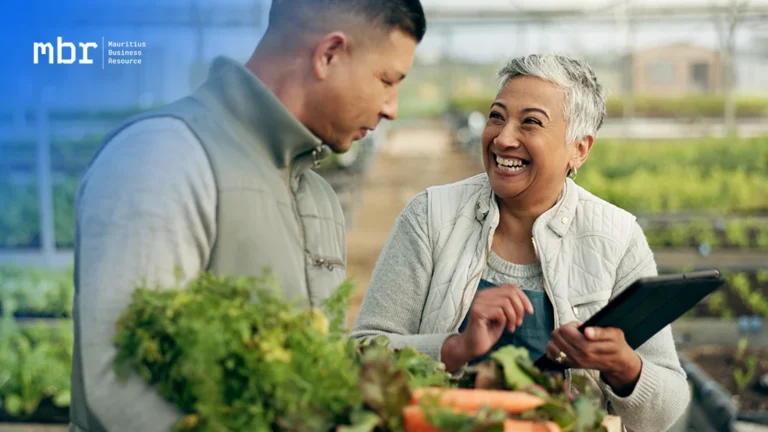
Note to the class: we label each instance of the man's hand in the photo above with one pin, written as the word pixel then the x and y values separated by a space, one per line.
pixel 493 310
pixel 603 349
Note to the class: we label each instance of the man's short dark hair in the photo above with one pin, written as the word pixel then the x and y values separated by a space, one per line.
pixel 317 15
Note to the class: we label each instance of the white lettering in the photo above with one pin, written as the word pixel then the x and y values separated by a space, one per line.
pixel 123 53
pixel 124 61
pixel 41 48
pixel 72 51
pixel 85 59
pixel 126 44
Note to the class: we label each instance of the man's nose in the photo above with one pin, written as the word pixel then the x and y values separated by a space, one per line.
pixel 389 110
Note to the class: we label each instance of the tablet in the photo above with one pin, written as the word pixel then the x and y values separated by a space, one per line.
pixel 649 305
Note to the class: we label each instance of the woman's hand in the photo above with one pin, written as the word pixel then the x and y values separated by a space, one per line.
pixel 600 348
pixel 493 311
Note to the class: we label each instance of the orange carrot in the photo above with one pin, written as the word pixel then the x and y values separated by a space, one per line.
pixel 470 400
pixel 511 425
pixel 414 420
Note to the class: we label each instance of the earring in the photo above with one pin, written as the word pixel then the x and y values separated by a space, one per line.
pixel 572 172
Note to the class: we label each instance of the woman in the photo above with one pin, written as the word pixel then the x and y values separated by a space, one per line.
pixel 521 254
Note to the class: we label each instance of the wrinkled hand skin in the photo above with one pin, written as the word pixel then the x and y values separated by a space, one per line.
pixel 601 348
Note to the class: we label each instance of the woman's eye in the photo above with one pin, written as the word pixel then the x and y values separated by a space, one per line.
pixel 387 83
pixel 531 120
pixel 495 115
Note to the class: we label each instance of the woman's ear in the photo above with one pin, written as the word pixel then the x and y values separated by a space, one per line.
pixel 580 151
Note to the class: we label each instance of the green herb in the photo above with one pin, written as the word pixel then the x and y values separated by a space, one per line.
pixel 236 356
pixel 515 377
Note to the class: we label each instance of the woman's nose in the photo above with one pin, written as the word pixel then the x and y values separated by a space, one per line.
pixel 506 139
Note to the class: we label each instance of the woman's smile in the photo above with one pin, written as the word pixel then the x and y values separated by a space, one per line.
pixel 509 166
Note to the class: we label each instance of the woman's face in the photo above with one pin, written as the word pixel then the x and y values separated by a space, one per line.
pixel 524 148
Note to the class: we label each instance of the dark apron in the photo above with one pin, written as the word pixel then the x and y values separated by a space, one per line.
pixel 535 332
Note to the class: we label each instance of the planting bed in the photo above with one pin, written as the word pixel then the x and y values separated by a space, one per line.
pixel 743 294
pixel 733 372
pixel 732 233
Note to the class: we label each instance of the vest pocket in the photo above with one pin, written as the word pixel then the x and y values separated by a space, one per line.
pixel 329 263
pixel 324 275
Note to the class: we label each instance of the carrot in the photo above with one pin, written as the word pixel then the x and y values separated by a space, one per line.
pixel 511 425
pixel 470 400
pixel 414 420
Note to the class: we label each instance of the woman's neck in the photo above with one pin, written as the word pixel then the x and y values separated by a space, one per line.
pixel 512 239
pixel 516 217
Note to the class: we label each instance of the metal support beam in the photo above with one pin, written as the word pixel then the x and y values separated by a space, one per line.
pixel 252 16
pixel 45 181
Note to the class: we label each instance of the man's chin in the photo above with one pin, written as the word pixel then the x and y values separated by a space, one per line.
pixel 341 147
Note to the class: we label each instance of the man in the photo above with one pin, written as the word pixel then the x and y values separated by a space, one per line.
pixel 221 181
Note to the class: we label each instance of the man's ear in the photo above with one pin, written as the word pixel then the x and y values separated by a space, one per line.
pixel 331 49
pixel 581 149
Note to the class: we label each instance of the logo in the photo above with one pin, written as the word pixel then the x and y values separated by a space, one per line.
pixel 65 53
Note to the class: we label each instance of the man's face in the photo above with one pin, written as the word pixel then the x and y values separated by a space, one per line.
pixel 359 89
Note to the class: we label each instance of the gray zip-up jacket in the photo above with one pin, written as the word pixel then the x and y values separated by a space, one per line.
pixel 218 181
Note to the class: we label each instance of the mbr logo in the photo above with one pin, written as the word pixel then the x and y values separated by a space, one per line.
pixel 43 48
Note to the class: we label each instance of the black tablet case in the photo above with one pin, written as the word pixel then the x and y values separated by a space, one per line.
pixel 649 305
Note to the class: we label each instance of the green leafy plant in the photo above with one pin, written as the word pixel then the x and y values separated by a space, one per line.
pixel 36 291
pixel 739 283
pixel 573 407
pixel 737 234
pixel 234 355
pixel 35 364
pixel 744 376
pixel 36 357
pixel 20 218
pixel 745 368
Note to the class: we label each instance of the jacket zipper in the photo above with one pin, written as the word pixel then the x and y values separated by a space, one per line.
pixel 295 207
pixel 291 173
pixel 488 244
pixel 302 235
pixel 549 294
pixel 544 279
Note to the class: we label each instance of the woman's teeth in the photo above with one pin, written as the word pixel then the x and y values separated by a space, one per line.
pixel 510 164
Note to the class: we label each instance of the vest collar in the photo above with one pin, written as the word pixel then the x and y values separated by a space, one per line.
pixel 260 116
pixel 558 218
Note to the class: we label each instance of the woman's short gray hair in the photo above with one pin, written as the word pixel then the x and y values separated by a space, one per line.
pixel 584 96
